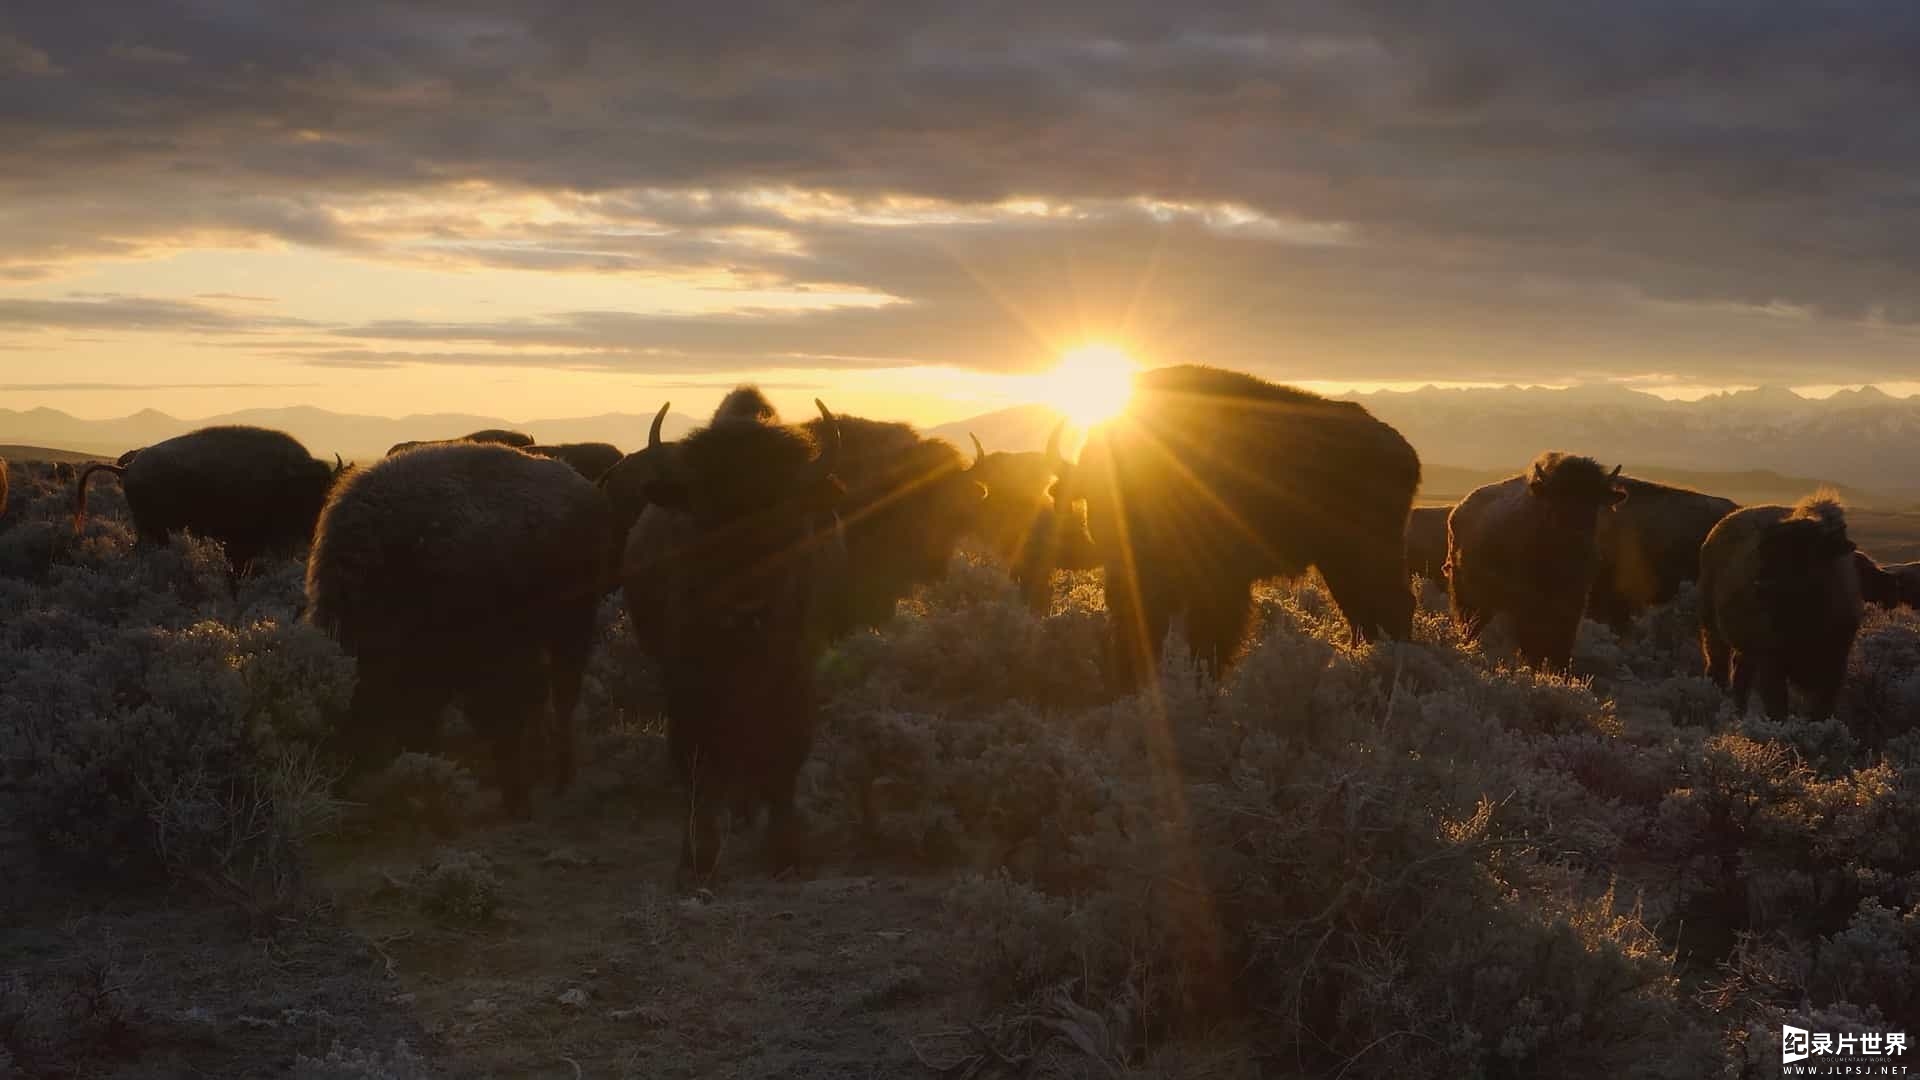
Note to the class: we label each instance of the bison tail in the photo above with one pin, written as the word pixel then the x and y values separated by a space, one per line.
pixel 80 491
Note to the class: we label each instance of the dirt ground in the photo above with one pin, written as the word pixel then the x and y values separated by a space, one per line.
pixel 594 964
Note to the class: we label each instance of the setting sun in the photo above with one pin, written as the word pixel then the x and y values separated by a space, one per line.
pixel 1090 384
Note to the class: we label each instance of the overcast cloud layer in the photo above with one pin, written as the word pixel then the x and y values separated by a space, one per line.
pixel 1360 189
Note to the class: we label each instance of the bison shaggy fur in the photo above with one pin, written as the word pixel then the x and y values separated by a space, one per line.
pixel 253 489
pixel 589 459
pixel 1650 547
pixel 1780 603
pixel 464 571
pixel 1526 548
pixel 908 501
pixel 1018 511
pixel 1213 480
pixel 497 436
pixel 731 578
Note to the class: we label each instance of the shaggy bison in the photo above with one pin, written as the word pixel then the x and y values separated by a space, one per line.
pixel 589 459
pixel 908 500
pixel 252 489
pixel 501 436
pixel 625 483
pixel 1878 584
pixel 1427 541
pixel 1525 547
pixel 1018 494
pixel 730 576
pixel 1780 603
pixel 467 571
pixel 1213 480
pixel 1649 547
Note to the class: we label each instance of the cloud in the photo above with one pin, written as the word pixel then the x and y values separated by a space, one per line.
pixel 131 313
pixel 1444 187
pixel 83 386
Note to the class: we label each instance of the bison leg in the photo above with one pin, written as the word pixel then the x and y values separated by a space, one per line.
pixel 1136 627
pixel 508 692
pixel 396 706
pixel 1717 656
pixel 1743 668
pixel 569 649
pixel 786 830
pixel 1217 625
pixel 1820 673
pixel 1771 681
pixel 1376 596
pixel 700 845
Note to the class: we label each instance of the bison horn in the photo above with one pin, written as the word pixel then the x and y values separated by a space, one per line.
pixel 1053 445
pixel 1615 474
pixel 653 433
pixel 339 464
pixel 830 452
pixel 978 450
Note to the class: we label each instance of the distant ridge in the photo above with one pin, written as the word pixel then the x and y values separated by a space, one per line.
pixel 1866 441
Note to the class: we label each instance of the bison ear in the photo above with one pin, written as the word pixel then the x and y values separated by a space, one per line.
pixel 980 491
pixel 1616 496
pixel 671 494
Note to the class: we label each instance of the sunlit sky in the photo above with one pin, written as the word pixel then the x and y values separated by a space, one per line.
pixel 917 210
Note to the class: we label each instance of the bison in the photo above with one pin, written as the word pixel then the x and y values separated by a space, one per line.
pixel 1525 547
pixel 1213 480
pixel 3 486
pixel 730 576
pixel 1426 541
pixel 1650 547
pixel 1018 509
pixel 464 571
pixel 500 436
pixel 589 459
pixel 625 483
pixel 1879 585
pixel 253 489
pixel 908 501
pixel 1889 586
pixel 1780 603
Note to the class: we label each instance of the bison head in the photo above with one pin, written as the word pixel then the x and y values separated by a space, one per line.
pixel 1569 492
pixel 758 497
pixel 1017 489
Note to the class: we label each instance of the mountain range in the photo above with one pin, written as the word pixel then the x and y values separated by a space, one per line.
pixel 1864 440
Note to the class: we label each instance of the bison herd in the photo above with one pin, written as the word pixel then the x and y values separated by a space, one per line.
pixel 471 569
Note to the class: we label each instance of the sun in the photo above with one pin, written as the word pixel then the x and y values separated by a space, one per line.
pixel 1091 383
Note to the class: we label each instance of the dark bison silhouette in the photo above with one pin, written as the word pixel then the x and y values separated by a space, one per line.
pixel 1426 540
pixel 253 489
pixel 1525 548
pixel 499 436
pixel 625 483
pixel 1213 480
pixel 1878 584
pixel 589 459
pixel 1890 585
pixel 1650 547
pixel 908 501
pixel 732 575
pixel 1780 603
pixel 1018 494
pixel 466 571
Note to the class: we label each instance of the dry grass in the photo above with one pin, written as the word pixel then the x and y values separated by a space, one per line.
pixel 1408 859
